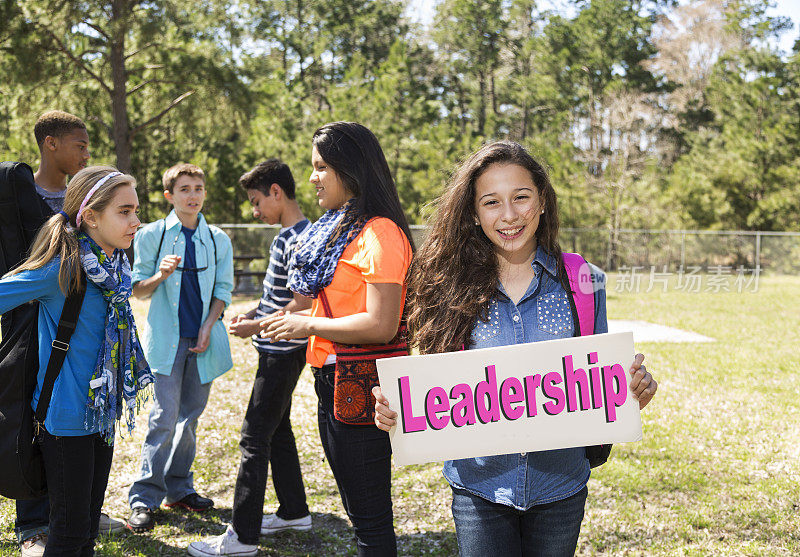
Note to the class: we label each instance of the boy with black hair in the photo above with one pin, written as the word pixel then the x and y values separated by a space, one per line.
pixel 267 436
pixel 63 143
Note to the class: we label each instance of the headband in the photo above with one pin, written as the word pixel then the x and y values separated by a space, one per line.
pixel 89 195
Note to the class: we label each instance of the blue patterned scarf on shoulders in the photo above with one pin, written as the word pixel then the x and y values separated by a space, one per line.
pixel 317 251
pixel 121 371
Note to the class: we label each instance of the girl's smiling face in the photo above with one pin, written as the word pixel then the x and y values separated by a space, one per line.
pixel 331 191
pixel 508 207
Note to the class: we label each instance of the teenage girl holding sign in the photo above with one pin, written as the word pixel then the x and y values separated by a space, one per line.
pixel 104 370
pixel 493 252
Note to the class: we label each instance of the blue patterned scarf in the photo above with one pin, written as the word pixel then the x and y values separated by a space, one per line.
pixel 121 371
pixel 318 250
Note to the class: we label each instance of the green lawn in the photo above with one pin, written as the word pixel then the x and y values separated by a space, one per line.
pixel 718 472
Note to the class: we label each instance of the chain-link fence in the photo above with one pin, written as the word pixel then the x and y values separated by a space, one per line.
pixel 665 250
pixel 770 252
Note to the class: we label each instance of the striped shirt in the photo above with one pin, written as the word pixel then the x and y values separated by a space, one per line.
pixel 275 295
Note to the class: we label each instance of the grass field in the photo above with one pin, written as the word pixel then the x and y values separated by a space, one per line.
pixel 718 472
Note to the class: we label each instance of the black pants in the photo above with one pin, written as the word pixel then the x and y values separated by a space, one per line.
pixel 360 457
pixel 267 438
pixel 77 473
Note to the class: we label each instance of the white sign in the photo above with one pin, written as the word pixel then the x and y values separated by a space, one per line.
pixel 520 398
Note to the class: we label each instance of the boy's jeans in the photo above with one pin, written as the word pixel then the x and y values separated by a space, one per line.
pixel 169 448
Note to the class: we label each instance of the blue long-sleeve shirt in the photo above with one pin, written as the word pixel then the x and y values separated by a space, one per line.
pixel 522 480
pixel 67 414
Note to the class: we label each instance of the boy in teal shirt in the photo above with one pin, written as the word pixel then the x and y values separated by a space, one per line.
pixel 186 266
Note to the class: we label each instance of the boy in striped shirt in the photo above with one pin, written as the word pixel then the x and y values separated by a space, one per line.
pixel 267 436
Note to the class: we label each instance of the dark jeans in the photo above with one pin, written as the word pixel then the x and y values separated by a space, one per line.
pixel 33 516
pixel 77 473
pixel 267 438
pixel 486 528
pixel 360 457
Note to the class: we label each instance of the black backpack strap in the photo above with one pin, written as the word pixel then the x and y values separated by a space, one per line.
pixel 213 241
pixel 216 262
pixel 66 326
pixel 161 241
pixel 576 324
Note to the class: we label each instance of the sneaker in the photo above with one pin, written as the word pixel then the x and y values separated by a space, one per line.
pixel 33 546
pixel 110 525
pixel 193 502
pixel 224 544
pixel 141 519
pixel 272 523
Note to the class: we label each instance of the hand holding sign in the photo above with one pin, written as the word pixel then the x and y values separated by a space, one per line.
pixel 385 417
pixel 642 384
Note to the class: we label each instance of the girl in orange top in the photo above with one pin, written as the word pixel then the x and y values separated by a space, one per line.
pixel 355 257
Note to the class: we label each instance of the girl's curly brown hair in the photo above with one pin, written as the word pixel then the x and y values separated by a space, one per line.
pixel 455 274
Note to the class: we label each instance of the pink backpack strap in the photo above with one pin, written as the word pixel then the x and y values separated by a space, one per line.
pixel 580 279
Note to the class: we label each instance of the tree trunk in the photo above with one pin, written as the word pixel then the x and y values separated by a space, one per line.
pixel 284 49
pixel 462 105
pixel 496 120
pixel 525 117
pixel 121 129
pixel 482 104
pixel 300 53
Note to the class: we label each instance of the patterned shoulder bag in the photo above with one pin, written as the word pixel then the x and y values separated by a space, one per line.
pixel 356 373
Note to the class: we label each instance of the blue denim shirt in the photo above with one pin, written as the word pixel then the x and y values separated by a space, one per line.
pixel 522 480
pixel 160 335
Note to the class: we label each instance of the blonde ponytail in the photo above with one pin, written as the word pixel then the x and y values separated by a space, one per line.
pixel 58 236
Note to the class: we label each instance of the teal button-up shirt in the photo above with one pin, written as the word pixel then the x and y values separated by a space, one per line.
pixel 161 334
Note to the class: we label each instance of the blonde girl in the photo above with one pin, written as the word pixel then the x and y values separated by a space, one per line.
pixel 104 371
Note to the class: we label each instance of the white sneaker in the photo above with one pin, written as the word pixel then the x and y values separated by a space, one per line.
pixel 33 546
pixel 224 544
pixel 272 523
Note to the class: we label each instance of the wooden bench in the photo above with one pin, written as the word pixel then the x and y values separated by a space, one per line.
pixel 246 281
